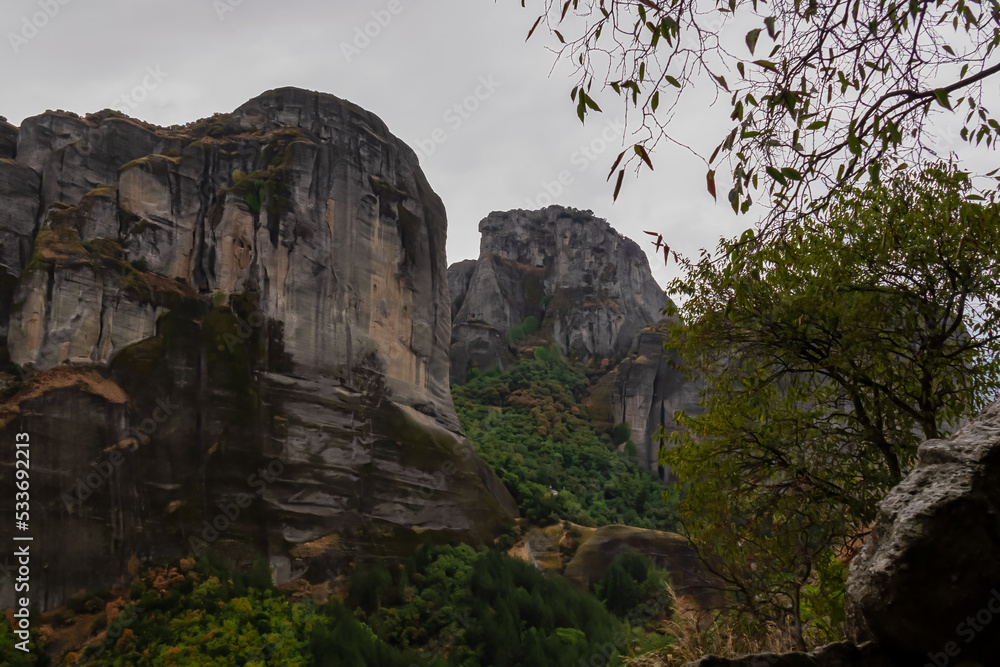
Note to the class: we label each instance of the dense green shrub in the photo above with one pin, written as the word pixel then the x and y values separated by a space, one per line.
pixel 621 433
pixel 629 580
pixel 219 617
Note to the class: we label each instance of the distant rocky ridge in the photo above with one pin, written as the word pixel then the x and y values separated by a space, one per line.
pixel 593 293
pixel 590 288
pixel 234 334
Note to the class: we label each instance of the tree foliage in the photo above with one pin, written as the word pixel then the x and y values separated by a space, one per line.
pixel 484 607
pixel 821 93
pixel 529 426
pixel 827 360
pixel 629 580
pixel 212 616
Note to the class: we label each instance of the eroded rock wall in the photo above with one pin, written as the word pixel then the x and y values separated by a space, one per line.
pixel 927 581
pixel 645 390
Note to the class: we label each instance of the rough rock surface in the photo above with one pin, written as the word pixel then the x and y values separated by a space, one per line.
pixel 843 654
pixel 19 188
pixel 645 389
pixel 590 288
pixel 236 336
pixel 927 581
pixel 8 140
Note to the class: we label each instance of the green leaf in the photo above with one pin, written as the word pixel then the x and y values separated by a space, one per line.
pixel 752 38
pixel 769 23
pixel 854 144
pixel 776 175
pixel 672 81
pixel 941 96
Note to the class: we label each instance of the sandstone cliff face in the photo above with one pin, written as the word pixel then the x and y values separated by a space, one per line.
pixel 251 311
pixel 590 287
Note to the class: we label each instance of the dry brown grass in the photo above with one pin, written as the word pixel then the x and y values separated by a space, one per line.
pixel 696 639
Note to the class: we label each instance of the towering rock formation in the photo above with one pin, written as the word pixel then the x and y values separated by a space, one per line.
pixel 234 334
pixel 590 288
pixel 593 293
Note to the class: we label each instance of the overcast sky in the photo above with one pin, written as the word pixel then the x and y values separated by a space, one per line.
pixel 504 149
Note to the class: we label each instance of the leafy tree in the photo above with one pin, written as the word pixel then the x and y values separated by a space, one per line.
pixel 827 359
pixel 822 93
pixel 212 616
pixel 631 451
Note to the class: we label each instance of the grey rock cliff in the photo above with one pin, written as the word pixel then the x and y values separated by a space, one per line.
pixel 8 140
pixel 249 311
pixel 589 286
pixel 645 389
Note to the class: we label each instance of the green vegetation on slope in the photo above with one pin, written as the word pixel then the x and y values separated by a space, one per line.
pixel 484 608
pixel 446 606
pixel 528 424
pixel 209 616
